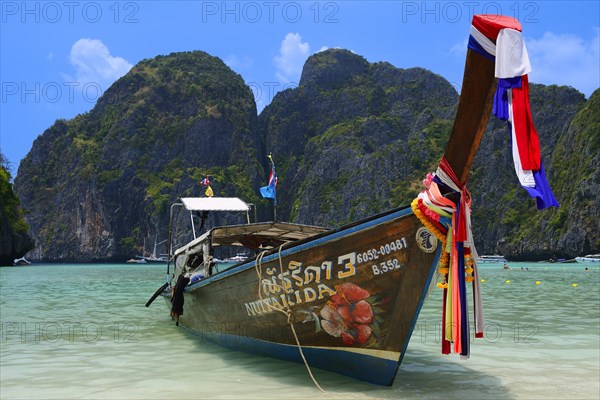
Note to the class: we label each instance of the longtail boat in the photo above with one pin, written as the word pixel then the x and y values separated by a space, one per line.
pixel 347 299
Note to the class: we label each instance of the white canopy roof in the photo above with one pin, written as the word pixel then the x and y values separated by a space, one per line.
pixel 214 204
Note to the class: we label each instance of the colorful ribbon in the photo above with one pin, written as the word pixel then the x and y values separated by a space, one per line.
pixel 498 39
pixel 434 208
pixel 511 100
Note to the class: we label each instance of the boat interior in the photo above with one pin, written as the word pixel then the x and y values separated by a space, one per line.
pixel 205 255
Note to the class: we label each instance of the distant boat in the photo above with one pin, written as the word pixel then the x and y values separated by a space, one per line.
pixel 562 260
pixel 153 258
pixel 136 261
pixel 235 259
pixel 344 299
pixel 590 258
pixel 491 259
pixel 21 261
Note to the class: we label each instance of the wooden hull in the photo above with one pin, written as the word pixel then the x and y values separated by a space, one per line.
pixel 354 295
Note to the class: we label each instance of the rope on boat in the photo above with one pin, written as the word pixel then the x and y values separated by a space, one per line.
pixel 288 312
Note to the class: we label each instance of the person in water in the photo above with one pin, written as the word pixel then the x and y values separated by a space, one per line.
pixel 506 266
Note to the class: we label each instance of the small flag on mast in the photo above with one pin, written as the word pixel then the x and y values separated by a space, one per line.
pixel 269 191
pixel 206 182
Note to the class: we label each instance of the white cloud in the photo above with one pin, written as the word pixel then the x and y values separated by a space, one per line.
pixel 323 48
pixel 94 63
pixel 292 55
pixel 566 59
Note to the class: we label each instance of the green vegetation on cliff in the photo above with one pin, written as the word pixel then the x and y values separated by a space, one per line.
pixel 505 217
pixel 354 138
pixel 14 239
pixel 102 182
pixel 10 205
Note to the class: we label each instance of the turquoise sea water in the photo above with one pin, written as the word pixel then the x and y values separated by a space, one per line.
pixel 82 331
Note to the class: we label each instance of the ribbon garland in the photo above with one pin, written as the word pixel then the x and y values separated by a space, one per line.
pixel 499 40
pixel 450 222
pixel 457 265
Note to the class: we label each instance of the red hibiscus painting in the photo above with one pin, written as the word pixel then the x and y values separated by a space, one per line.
pixel 349 315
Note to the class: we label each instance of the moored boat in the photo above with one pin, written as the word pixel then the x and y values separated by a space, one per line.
pixel 352 294
pixel 590 258
pixel 562 260
pixel 492 259
pixel 347 299
pixel 153 258
pixel 21 261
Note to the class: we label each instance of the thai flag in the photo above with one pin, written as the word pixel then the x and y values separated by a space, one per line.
pixel 205 182
pixel 269 191
pixel 503 43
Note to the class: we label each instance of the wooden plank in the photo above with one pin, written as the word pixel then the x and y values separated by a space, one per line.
pixel 474 109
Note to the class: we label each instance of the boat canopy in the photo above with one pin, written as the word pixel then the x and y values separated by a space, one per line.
pixel 214 204
pixel 253 236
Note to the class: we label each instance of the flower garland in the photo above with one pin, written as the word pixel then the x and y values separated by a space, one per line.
pixel 450 222
pixel 469 271
pixel 445 256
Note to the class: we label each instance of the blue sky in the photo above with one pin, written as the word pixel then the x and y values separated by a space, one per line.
pixel 57 57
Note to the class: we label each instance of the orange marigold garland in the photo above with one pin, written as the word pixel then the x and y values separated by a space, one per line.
pixel 449 221
pixel 444 257
pixel 469 276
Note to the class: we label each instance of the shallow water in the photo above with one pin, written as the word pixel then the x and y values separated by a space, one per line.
pixel 82 331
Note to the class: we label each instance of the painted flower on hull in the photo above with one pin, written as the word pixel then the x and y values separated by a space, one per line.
pixel 332 322
pixel 348 315
pixel 349 293
pixel 362 312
